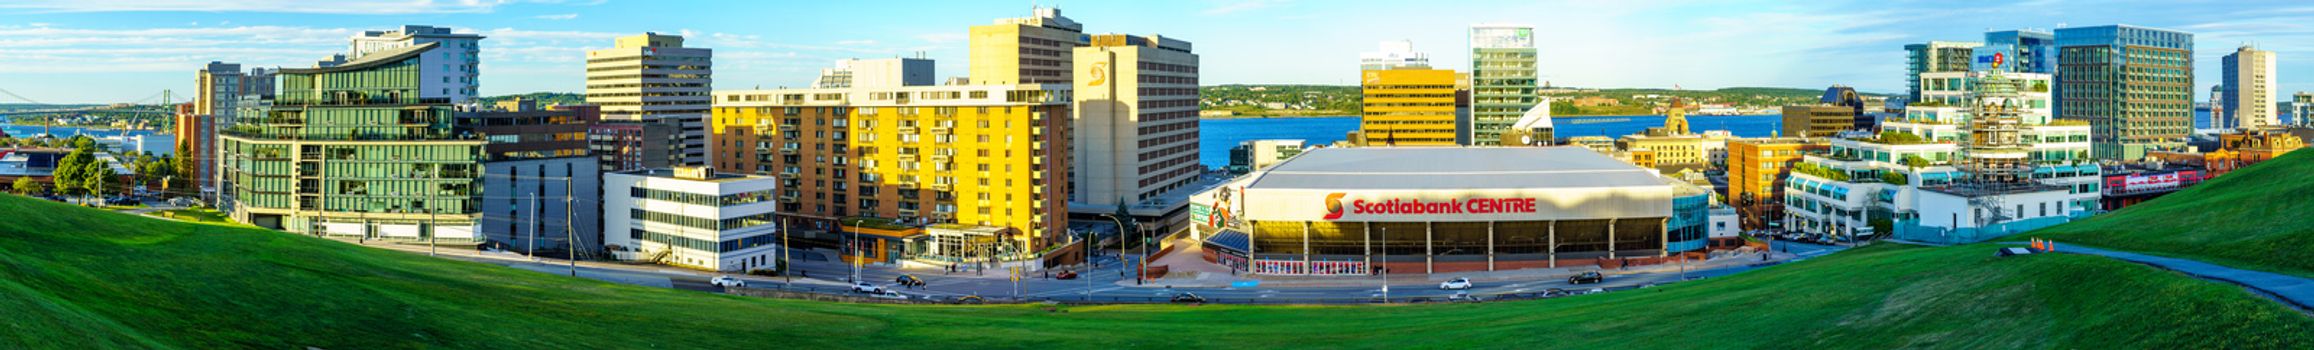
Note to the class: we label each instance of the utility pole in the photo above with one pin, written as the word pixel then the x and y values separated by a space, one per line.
pixel 570 233
pixel 533 251
pixel 785 271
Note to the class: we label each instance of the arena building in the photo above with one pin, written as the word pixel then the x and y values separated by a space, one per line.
pixel 1350 211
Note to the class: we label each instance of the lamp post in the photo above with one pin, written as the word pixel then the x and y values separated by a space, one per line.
pixel 855 246
pixel 1385 268
pixel 1142 243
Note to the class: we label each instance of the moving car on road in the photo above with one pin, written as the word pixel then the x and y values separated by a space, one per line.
pixel 1586 277
pixel 908 281
pixel 727 281
pixel 1066 275
pixel 1458 283
pixel 1188 298
pixel 864 287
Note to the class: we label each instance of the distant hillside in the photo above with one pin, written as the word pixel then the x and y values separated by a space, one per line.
pixel 543 98
pixel 1280 100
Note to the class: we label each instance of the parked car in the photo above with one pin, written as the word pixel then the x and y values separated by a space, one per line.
pixel 1458 283
pixel 968 299
pixel 1586 277
pixel 908 281
pixel 889 295
pixel 864 287
pixel 1066 275
pixel 727 281
pixel 1554 292
pixel 1188 298
pixel 1462 297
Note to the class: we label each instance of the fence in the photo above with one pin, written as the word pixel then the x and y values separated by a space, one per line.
pixel 835 294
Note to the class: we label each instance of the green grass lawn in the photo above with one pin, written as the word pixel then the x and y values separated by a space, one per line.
pixel 2260 217
pixel 81 278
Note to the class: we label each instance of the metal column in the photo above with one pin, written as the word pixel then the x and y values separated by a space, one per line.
pixel 1611 238
pixel 1429 252
pixel 1490 246
pixel 1552 243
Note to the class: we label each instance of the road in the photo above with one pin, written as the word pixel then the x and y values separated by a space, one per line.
pixel 1110 283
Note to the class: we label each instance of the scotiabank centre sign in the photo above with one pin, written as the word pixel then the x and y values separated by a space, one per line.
pixel 1455 205
pixel 1335 209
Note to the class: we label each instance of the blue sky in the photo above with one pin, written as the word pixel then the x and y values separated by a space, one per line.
pixel 73 51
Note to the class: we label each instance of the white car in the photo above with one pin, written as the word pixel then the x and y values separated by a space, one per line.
pixel 864 287
pixel 727 281
pixel 1457 283
pixel 889 295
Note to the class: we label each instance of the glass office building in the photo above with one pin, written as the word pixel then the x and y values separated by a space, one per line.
pixel 356 150
pixel 2133 85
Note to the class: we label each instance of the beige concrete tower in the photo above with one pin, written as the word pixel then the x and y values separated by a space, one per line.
pixel 1025 50
pixel 652 78
pixel 2250 89
pixel 1136 126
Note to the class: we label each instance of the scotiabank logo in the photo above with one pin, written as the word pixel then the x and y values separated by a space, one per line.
pixel 1335 209
pixel 1334 206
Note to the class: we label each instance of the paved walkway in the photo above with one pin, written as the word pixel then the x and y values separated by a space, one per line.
pixel 2292 290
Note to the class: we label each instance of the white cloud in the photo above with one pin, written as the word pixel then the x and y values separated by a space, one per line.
pixel 560 17
pixel 949 37
pixel 1241 6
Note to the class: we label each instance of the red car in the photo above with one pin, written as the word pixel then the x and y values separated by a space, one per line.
pixel 1066 275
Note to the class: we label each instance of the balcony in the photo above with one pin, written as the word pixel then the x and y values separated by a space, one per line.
pixel 787 151
pixel 790 176
pixel 940 187
pixel 907 130
pixel 787 128
pixel 941 130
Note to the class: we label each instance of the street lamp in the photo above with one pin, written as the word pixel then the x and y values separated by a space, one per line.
pixel 1142 243
pixel 1385 268
pixel 855 245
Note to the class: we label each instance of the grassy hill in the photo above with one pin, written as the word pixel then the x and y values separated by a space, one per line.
pixel 2255 217
pixel 80 278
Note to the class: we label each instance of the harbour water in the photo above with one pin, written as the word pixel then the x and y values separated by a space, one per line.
pixel 154 142
pixel 1218 135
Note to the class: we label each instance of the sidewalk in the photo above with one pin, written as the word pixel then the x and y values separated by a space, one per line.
pixel 2292 290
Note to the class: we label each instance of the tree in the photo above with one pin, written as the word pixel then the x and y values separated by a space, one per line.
pixel 1915 162
pixel 95 176
pixel 67 175
pixel 25 186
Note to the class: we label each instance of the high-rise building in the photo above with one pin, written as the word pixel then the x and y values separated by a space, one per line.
pixel 363 148
pixel 981 155
pixel 1393 55
pixel 196 144
pixel 219 89
pixel 653 79
pixel 632 146
pixel 1026 50
pixel 2028 51
pixel 1755 170
pixel 452 71
pixel 1408 107
pixel 2217 107
pixel 2300 108
pixel 1931 57
pixel 1135 129
pixel 2252 88
pixel 1503 76
pixel 538 180
pixel 875 73
pixel 2134 85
